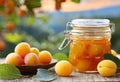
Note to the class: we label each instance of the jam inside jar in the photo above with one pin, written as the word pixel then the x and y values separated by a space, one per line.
pixel 89 40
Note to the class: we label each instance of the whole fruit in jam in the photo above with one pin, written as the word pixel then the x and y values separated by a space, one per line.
pixel 14 59
pixel 45 57
pixel 107 68
pixel 31 59
pixel 63 68
pixel 22 49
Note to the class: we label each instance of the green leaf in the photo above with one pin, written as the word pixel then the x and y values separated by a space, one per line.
pixel 13 37
pixel 1 27
pixel 60 56
pixel 44 75
pixel 114 59
pixel 76 1
pixel 32 4
pixel 44 19
pixel 2 8
pixel 30 20
pixel 58 0
pixel 8 71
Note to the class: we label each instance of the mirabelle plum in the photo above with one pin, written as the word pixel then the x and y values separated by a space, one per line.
pixel 58 5
pixel 107 68
pixel 2 2
pixel 31 59
pixel 10 26
pixel 34 50
pixel 22 49
pixel 76 49
pixel 2 45
pixel 14 59
pixel 9 7
pixel 113 52
pixel 61 66
pixel 21 13
pixel 83 65
pixel 95 50
pixel 45 57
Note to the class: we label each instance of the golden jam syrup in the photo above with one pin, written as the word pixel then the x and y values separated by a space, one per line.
pixel 86 54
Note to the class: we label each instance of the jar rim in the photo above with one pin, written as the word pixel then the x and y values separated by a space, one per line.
pixel 90 22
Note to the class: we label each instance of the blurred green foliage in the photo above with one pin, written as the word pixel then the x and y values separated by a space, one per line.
pixel 27 28
pixel 77 1
pixel 40 37
pixel 32 4
pixel 115 40
pixel 35 34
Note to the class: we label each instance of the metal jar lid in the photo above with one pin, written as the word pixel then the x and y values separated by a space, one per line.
pixel 90 22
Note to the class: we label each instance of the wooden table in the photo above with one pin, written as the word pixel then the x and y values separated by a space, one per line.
pixel 75 77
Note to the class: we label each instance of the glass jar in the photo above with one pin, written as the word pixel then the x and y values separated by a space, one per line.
pixel 89 40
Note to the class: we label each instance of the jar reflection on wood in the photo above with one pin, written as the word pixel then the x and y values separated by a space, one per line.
pixel 89 40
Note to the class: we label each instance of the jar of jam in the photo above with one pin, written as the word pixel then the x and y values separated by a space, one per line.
pixel 89 40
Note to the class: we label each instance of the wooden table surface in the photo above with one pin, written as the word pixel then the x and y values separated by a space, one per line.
pixel 75 77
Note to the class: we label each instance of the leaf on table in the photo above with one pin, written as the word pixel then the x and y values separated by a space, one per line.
pixel 8 71
pixel 60 56
pixel 44 75
pixel 115 59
